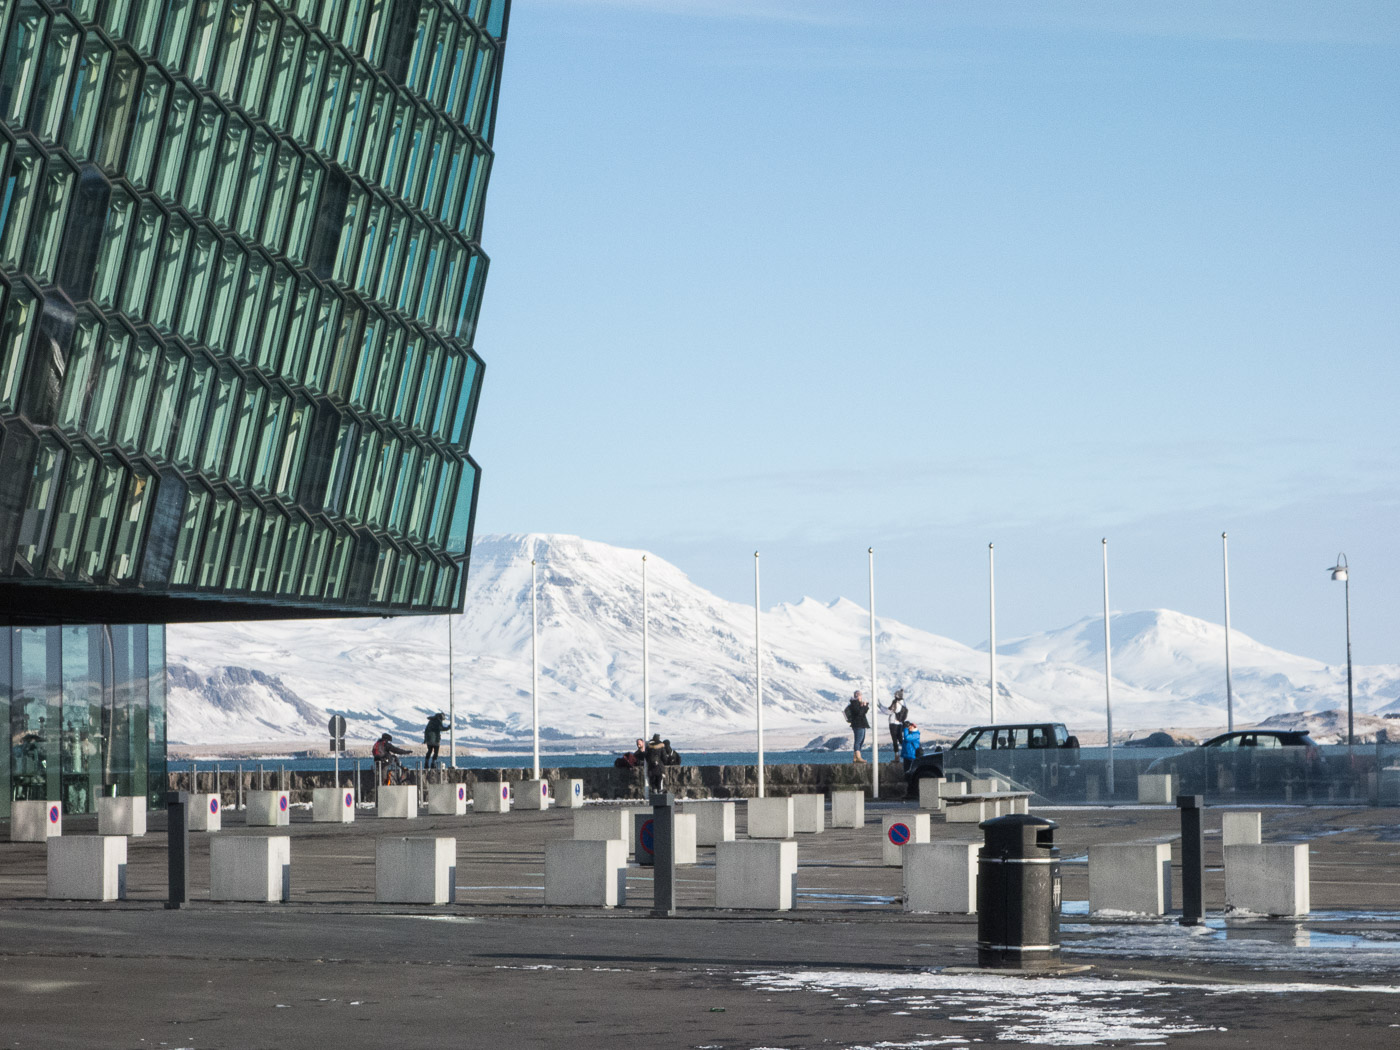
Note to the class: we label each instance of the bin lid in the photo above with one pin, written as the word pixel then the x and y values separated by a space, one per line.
pixel 1018 833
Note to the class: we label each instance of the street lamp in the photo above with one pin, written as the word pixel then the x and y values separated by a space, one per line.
pixel 1339 572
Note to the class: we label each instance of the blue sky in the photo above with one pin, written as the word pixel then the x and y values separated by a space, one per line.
pixel 809 277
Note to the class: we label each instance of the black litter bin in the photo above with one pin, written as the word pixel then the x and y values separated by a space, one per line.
pixel 1018 893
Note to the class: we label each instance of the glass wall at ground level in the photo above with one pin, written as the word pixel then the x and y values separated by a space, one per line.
pixel 85 707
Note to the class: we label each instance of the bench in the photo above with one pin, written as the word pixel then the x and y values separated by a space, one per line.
pixel 975 808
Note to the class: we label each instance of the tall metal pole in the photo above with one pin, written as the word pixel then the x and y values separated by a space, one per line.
pixel 451 708
pixel 758 668
pixel 646 672
pixel 992 646
pixel 1107 668
pixel 1229 686
pixel 1351 735
pixel 535 665
pixel 874 689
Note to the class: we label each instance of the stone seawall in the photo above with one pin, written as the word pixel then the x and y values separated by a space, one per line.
pixel 603 782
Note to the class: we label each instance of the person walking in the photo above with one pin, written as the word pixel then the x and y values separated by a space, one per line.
pixel 432 738
pixel 899 715
pixel 858 718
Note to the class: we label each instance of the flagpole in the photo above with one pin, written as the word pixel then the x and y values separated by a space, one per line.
pixel 451 704
pixel 758 669
pixel 535 665
pixel 646 672
pixel 1107 668
pixel 1229 686
pixel 992 645
pixel 874 690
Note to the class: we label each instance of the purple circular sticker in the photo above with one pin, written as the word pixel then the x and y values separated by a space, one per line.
pixel 349 799
pixel 282 803
pixel 213 805
pixel 461 792
pixel 544 788
pixel 505 791
pixel 53 814
pixel 899 834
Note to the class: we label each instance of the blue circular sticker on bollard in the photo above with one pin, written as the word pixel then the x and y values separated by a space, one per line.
pixel 53 814
pixel 349 799
pixel 647 836
pixel 578 790
pixel 213 805
pixel 282 803
pixel 505 791
pixel 899 834
pixel 461 792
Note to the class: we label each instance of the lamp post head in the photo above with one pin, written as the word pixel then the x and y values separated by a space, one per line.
pixel 1339 571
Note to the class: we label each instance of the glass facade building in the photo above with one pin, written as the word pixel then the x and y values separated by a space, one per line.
pixel 240 275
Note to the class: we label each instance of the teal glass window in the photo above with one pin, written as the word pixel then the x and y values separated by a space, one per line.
pixel 199 393
pixel 77 377
pixel 72 513
pixel 51 88
pixel 102 517
pixel 23 51
pixel 112 119
pixel 21 321
pixel 214 550
pixel 20 201
pixel 81 120
pixel 111 254
pixel 188 538
pixel 136 391
pixel 135 510
pixel 40 503
pixel 166 406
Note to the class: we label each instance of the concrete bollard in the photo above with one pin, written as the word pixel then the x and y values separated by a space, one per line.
pixel 491 796
pixel 808 814
pixel 421 869
pixel 1271 878
pixel 683 828
pixel 397 801
pixel 122 815
pixel 603 822
pixel 206 813
pixel 757 875
pixel 249 868
pixel 1240 829
pixel 931 793
pixel 965 812
pixel 950 788
pixel 333 805
pixel 987 786
pixel 586 873
pixel 769 818
pixel 714 821
pixel 531 794
pixel 941 877
pixel 1130 878
pixel 848 809
pixel 87 868
pixel 899 832
pixel 1156 789
pixel 567 794
pixel 35 821
pixel 267 809
pixel 447 800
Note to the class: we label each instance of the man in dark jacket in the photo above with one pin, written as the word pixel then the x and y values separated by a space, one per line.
pixel 432 737
pixel 858 717
pixel 656 764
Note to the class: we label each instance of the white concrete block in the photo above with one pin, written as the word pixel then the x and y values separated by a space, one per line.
pixel 683 830
pixel 205 813
pixel 900 831
pixel 714 821
pixel 987 785
pixel 949 788
pixel 848 809
pixel 1021 805
pixel 266 809
pixel 421 869
pixel 87 868
pixel 567 794
pixel 964 812
pixel 447 800
pixel 250 868
pixel 769 818
pixel 531 794
pixel 597 823
pixel 1156 789
pixel 397 801
pixel 333 805
pixel 931 793
pixel 1240 829
pixel 586 872
pixel 809 814
pixel 125 815
pixel 941 877
pixel 1130 878
pixel 758 875
pixel 1271 878
pixel 35 821
pixel 491 796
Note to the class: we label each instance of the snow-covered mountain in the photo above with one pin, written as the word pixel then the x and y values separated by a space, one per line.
pixel 259 682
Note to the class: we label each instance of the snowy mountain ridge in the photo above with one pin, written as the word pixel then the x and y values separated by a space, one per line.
pixel 248 683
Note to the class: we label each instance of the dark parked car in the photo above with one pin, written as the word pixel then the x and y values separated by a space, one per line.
pixel 1264 738
pixel 1025 738
pixel 1254 763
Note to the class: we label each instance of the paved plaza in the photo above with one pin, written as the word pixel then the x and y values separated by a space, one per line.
pixel 846 968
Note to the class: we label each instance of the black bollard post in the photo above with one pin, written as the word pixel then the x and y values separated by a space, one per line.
pixel 177 839
pixel 663 870
pixel 1193 860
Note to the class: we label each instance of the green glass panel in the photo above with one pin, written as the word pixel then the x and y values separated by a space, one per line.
pixel 268 447
pixel 471 299
pixel 408 380
pixel 420 515
pixel 106 392
pixel 431 192
pixel 453 280
pixel 187 540
pixel 345 351
pixel 396 145
pixel 199 277
pixel 83 107
pixel 113 117
pixel 269 550
pixel 165 295
pixel 307 89
pixel 277 209
pixel 166 406
pixel 431 286
pixel 156 774
pixel 470 223
pixel 435 82
pixel 421 415
pixel 379 120
pixel 261 163
pixel 47 234
pixel 234 35
pixel 395 338
pixel 101 519
pixel 131 529
pixel 141 259
pixel 145 23
pixel 372 246
pixel 204 149
pixel 376 31
pixel 198 395
pixel 224 298
pixel 384 565
pixel 216 542
pixel 352 32
pixel 466 403
pixel 356 206
pixel 78 376
pixel 404 489
pixel 293 452
pixel 35 712
pixel 301 314
pixel 259 309
pixel 175 141
pixel 395 248
pixel 446 395
pixel 21 321
pixel 140 371
pixel 228 166
pixel 145 133
pixel 366 457
pixel 456 542
pixel 219 423
pixel 338 572
pixel 404 575
pixel 415 162
pixel 175 32
pixel 420 57
pixel 20 69
pixel 317 554
pixel 452 95
pixel 320 343
pixel 40 502
pixel 204 35
pixel 111 255
pixel 367 370
pixel 423 586
pixel 443 501
pixel 326 129
pixel 241 547
pixel 114 16
pixel 19 198
pixel 308 198
pixel 382 490
pixel 357 101
pixel 289 571
pixel 72 509
pixel 281 89
pixel 261 51
pixel 247 417
pixel 51 91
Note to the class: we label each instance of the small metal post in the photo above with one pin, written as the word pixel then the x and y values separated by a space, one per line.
pixel 178 847
pixel 238 801
pixel 663 845
pixel 1193 859
pixel 262 784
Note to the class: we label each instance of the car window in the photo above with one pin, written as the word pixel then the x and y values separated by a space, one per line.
pixel 1020 737
pixel 1061 736
pixel 1039 738
pixel 1003 739
pixel 966 740
pixel 1229 741
pixel 1263 740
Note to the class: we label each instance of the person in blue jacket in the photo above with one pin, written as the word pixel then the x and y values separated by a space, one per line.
pixel 909 746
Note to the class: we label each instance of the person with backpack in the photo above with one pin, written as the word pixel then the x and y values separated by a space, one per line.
pixel 909 748
pixel 432 737
pixel 858 718
pixel 899 715
pixel 656 764
pixel 385 754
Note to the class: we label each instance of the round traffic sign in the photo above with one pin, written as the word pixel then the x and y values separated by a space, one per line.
pixel 53 814
pixel 213 805
pixel 349 800
pixel 282 803
pixel 899 834
pixel 648 836
pixel 337 726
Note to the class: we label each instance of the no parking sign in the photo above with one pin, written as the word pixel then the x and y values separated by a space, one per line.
pixel 899 834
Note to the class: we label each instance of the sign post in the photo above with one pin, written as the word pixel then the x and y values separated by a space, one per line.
pixel 337 728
